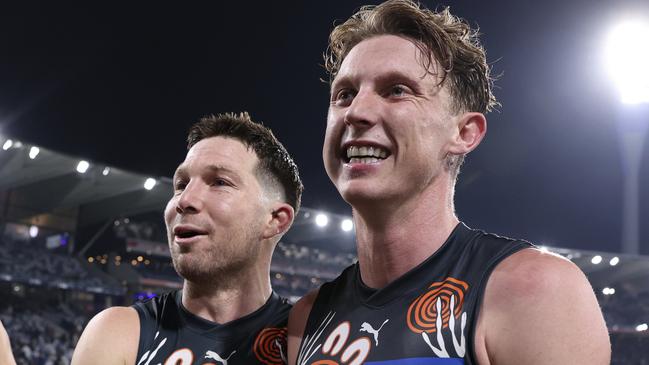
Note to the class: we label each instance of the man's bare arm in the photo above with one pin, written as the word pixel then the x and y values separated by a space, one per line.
pixel 297 323
pixel 540 309
pixel 6 356
pixel 110 338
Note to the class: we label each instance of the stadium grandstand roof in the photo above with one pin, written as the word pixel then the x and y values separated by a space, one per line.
pixel 50 191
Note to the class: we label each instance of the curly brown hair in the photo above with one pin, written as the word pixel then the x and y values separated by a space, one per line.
pixel 442 38
pixel 274 161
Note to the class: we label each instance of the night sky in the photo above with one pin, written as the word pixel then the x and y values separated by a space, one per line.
pixel 121 84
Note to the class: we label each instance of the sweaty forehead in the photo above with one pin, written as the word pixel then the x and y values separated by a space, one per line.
pixel 228 153
pixel 384 54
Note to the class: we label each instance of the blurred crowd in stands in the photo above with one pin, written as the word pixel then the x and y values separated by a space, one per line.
pixel 623 308
pixel 44 322
pixel 30 264
pixel 43 331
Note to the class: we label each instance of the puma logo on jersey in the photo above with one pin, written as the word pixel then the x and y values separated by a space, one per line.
pixel 214 356
pixel 366 327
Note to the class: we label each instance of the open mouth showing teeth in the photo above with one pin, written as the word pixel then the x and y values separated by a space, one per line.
pixel 364 154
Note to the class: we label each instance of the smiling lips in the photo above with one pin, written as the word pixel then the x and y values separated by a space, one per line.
pixel 365 154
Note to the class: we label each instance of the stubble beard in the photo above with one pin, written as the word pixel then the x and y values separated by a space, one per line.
pixel 218 265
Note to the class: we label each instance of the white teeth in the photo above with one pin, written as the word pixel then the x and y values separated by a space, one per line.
pixel 362 151
pixel 372 152
pixel 364 160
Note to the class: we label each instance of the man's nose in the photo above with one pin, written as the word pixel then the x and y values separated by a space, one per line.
pixel 363 112
pixel 190 200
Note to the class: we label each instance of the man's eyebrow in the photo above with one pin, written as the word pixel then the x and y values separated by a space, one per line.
pixel 221 168
pixel 383 78
pixel 182 170
pixel 396 76
pixel 345 79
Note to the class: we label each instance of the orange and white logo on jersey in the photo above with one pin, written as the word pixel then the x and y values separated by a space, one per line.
pixel 270 346
pixel 421 314
pixel 437 309
pixel 338 345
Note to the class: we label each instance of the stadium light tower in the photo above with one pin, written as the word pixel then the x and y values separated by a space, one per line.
pixel 627 54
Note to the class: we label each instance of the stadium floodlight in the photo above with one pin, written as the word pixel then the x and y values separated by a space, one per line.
pixel 149 183
pixel 347 225
pixel 614 261
pixel 33 231
pixel 82 166
pixel 642 327
pixel 596 259
pixel 106 171
pixel 608 291
pixel 321 220
pixel 7 145
pixel 627 52
pixel 33 152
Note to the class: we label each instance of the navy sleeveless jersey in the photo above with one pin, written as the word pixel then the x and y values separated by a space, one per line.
pixel 170 334
pixel 427 316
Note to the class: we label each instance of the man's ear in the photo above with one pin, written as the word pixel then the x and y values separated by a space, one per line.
pixel 280 220
pixel 470 129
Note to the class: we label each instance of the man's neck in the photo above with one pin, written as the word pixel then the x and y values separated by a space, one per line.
pixel 396 240
pixel 220 303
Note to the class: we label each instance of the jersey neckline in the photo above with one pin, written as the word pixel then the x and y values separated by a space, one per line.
pixel 412 279
pixel 229 330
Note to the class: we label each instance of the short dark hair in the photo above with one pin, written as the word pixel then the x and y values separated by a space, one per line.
pixel 441 36
pixel 274 160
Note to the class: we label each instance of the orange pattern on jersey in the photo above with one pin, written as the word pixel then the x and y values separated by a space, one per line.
pixel 266 346
pixel 422 313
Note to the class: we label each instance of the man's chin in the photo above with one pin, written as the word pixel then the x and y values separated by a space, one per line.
pixel 206 274
pixel 357 195
pixel 190 270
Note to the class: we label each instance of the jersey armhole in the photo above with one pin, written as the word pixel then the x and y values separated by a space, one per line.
pixel 147 328
pixel 508 251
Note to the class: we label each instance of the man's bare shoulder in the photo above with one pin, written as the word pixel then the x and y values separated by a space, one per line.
pixel 539 308
pixel 297 319
pixel 111 337
pixel 531 273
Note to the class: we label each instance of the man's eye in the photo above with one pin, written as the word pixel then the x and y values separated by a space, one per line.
pixel 180 185
pixel 344 96
pixel 397 90
pixel 220 182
